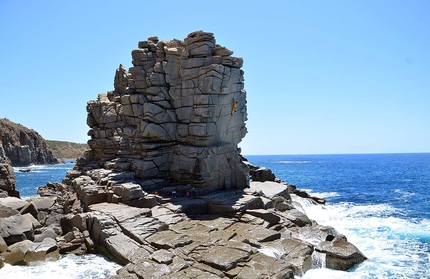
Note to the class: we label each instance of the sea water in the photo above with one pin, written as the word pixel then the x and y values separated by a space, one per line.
pixel 380 202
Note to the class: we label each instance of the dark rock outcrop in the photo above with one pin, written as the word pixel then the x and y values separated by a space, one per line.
pixel 8 180
pixel 22 146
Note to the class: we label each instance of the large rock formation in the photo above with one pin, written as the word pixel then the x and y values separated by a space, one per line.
pixel 175 118
pixel 162 142
pixel 21 146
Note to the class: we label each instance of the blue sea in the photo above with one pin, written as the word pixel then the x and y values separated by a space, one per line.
pixel 380 202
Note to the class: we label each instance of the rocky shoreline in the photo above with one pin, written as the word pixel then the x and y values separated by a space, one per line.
pixel 164 190
pixel 257 232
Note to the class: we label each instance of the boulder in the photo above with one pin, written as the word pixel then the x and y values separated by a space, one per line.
pixel 340 254
pixel 29 208
pixel 262 175
pixel 45 233
pixel 3 245
pixel 231 202
pixel 17 251
pixel 266 215
pixel 43 203
pixel 16 228
pixel 33 220
pixel 6 211
pixel 271 189
pixel 29 253
pixel 12 202
pixel 40 252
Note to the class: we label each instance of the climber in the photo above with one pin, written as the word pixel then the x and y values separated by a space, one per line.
pixel 234 109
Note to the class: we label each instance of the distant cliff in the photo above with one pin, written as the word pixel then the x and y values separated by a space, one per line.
pixel 21 146
pixel 67 150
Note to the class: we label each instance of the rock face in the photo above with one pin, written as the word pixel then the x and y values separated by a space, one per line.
pixel 20 146
pixel 8 180
pixel 175 117
pixel 164 190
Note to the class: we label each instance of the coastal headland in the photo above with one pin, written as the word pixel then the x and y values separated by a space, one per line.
pixel 164 189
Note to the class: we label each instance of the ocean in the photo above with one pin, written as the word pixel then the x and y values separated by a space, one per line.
pixel 380 202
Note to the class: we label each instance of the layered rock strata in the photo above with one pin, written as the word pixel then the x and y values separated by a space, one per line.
pixel 164 190
pixel 174 118
pixel 20 146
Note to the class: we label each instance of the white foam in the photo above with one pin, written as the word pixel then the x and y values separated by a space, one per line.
pixel 293 162
pixel 395 247
pixel 68 267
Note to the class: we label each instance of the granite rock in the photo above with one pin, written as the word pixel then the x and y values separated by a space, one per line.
pixel 173 118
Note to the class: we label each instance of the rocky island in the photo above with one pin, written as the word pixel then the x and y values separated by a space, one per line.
pixel 164 190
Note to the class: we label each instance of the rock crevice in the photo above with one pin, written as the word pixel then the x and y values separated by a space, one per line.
pixel 175 117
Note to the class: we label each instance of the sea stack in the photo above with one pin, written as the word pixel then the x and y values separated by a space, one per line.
pixel 174 119
pixel 164 190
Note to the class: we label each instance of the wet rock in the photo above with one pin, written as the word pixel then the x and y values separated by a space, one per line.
pixel 340 254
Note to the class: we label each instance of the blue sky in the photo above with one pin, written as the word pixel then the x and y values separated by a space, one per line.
pixel 321 77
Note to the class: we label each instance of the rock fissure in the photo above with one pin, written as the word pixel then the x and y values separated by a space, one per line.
pixel 163 189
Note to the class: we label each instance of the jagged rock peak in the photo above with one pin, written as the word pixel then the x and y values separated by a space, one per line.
pixel 175 117
pixel 21 146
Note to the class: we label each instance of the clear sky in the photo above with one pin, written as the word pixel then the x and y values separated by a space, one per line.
pixel 321 77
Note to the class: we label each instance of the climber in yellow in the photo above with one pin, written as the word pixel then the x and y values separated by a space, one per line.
pixel 234 109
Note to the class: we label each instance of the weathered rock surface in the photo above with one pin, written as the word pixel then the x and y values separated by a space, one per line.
pixel 340 254
pixel 174 118
pixel 7 178
pixel 164 190
pixel 16 228
pixel 22 146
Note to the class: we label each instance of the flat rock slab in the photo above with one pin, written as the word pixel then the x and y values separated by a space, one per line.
pixel 12 202
pixel 262 266
pixel 6 211
pixel 168 239
pixel 224 258
pixel 270 188
pixel 120 212
pixel 43 203
pixel 229 203
pixel 253 233
pixel 268 216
